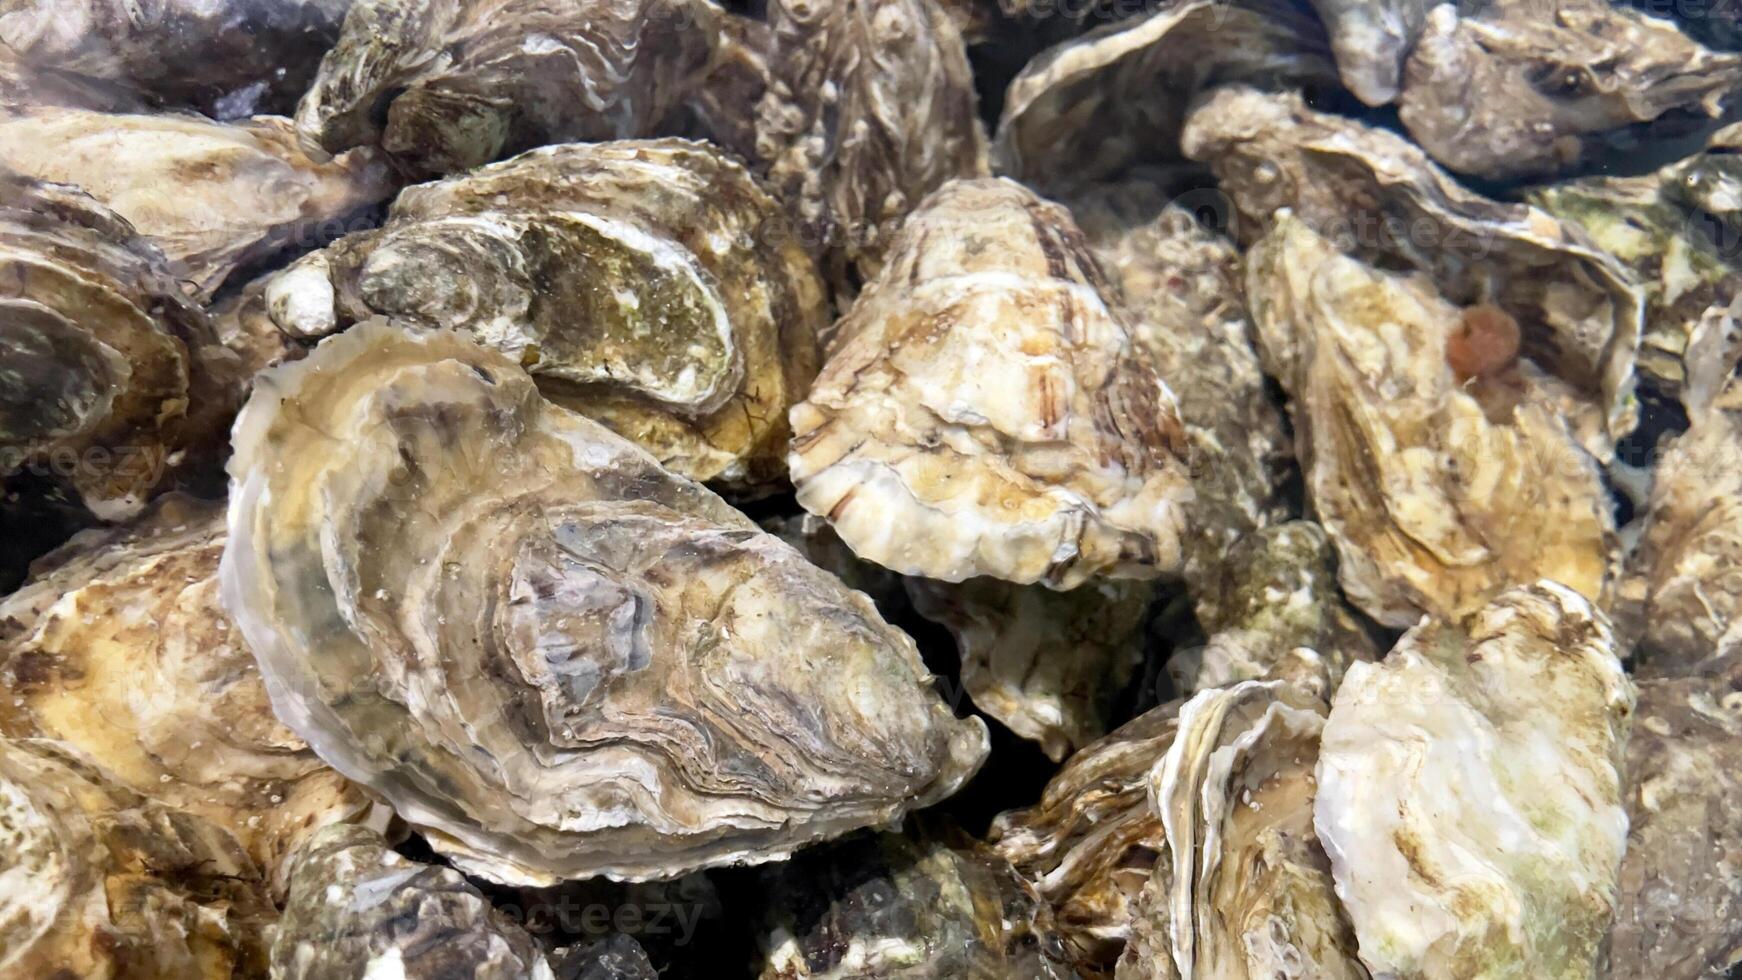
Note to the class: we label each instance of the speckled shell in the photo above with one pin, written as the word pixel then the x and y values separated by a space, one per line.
pixel 551 656
pixel 986 409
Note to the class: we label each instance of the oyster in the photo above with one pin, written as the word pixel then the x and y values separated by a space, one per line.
pixel 109 375
pixel 1091 107
pixel 446 85
pixel 245 328
pixel 650 285
pixel 101 882
pixel 616 958
pixel 1242 888
pixel 118 647
pixel 1522 88
pixel 928 904
pixel 212 197
pixel 357 909
pixel 1376 195
pixel 1469 792
pixel 1711 181
pixel 985 411
pixel 226 58
pixel 1046 664
pixel 822 547
pixel 1372 40
pixel 1443 474
pixel 554 658
pixel 869 108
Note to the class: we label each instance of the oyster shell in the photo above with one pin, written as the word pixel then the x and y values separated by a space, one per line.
pixel 101 882
pixel 357 909
pixel 554 658
pixel 616 958
pixel 1470 792
pixel 118 648
pixel 1242 889
pixel 1378 196
pixel 212 197
pixel 1046 664
pixel 1440 488
pixel 985 411
pixel 650 285
pixel 109 375
pixel 822 547
pixel 927 904
pixel 245 328
pixel 1521 88
pixel 870 107
pixel 1092 107
pixel 1372 40
pixel 446 85
pixel 1712 180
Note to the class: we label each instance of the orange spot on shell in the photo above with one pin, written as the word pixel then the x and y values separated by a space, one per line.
pixel 1484 343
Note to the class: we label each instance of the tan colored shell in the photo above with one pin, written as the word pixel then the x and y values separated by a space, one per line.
pixel 118 647
pixel 101 882
pixel 1093 106
pixel 1372 40
pixel 1376 195
pixel 1438 494
pixel 649 284
pixel 109 375
pixel 1521 88
pixel 446 85
pixel 870 106
pixel 986 409
pixel 212 197
pixel 551 656
pixel 1046 664
pixel 1469 792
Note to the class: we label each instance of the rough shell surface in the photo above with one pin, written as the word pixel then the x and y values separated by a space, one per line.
pixel 1372 40
pixel 119 648
pixel 1470 792
pixel 649 284
pixel 101 882
pixel 1439 492
pixel 1377 195
pixel 551 656
pixel 986 409
pixel 446 85
pixel 212 197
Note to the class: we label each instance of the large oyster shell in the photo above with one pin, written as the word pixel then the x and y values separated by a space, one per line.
pixel 212 197
pixel 109 374
pixel 1439 490
pixel 1517 88
pixel 1376 194
pixel 870 107
pixel 1093 106
pixel 1470 792
pixel 986 411
pixel 649 284
pixel 553 657
pixel 357 909
pixel 101 882
pixel 446 85
pixel 916 906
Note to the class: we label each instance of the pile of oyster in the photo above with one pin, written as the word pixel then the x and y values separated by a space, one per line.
pixel 619 489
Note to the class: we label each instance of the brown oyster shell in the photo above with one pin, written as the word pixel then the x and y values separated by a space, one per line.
pixel 870 106
pixel 109 375
pixel 551 656
pixel 1093 106
pixel 1522 88
pixel 1377 195
pixel 119 648
pixel 1372 40
pixel 1439 492
pixel 212 197
pixel 986 410
pixel 651 285
pixel 446 85
pixel 102 882
pixel 927 904
pixel 356 909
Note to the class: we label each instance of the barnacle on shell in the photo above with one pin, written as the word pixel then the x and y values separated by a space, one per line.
pixel 1469 792
pixel 554 658
pixel 650 285
pixel 212 197
pixel 986 410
